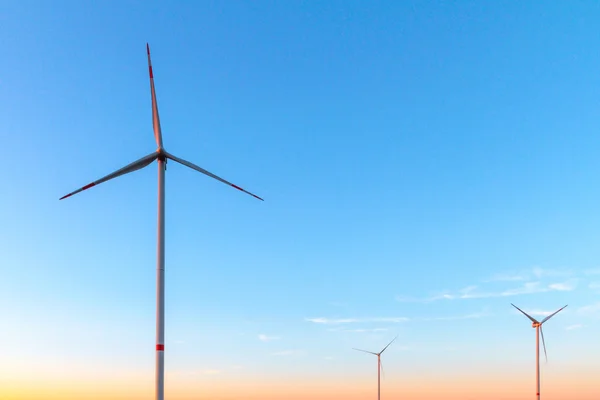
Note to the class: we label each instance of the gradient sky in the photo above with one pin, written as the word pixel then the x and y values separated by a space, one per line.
pixel 424 164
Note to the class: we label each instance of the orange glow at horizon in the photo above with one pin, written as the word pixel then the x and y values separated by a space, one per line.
pixel 219 387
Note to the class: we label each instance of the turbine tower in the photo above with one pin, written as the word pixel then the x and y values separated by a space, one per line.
pixel 379 367
pixel 538 329
pixel 161 156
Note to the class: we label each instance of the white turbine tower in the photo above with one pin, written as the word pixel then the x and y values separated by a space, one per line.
pixel 538 329
pixel 161 156
pixel 379 367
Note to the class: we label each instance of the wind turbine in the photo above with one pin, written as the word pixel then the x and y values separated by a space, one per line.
pixel 379 367
pixel 538 329
pixel 161 156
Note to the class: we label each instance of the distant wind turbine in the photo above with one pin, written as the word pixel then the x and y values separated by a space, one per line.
pixel 379 367
pixel 161 156
pixel 538 329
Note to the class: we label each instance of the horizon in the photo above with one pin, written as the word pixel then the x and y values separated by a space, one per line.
pixel 423 166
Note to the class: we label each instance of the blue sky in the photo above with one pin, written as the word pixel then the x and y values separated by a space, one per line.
pixel 405 151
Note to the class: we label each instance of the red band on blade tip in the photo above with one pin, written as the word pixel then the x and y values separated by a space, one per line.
pixel 151 75
pixel 88 186
pixel 160 347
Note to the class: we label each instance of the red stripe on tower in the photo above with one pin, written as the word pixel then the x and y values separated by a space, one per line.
pixel 160 347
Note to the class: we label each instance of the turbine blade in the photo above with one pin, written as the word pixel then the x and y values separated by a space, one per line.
pixel 524 313
pixel 205 172
pixel 370 352
pixel 388 344
pixel 134 166
pixel 552 315
pixel 155 117
pixel 544 343
pixel 381 366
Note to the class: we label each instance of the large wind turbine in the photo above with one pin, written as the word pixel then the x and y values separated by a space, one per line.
pixel 378 365
pixel 161 156
pixel 538 329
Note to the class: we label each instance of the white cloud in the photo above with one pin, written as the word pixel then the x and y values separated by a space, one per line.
pixel 534 280
pixel 264 338
pixel 566 286
pixel 594 285
pixel 287 353
pixel 458 317
pixel 573 327
pixel 338 321
pixel 328 321
pixel 329 358
pixel 526 288
pixel 358 330
pixel 211 371
pixel 469 292
pixel 388 319
pixel 528 274
pixel 593 271
pixel 539 313
pixel 407 299
pixel 473 292
pixel 539 272
pixel 506 278
pixel 590 310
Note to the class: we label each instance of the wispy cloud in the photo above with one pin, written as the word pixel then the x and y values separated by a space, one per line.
pixel 388 319
pixel 409 299
pixel 594 286
pixel 592 271
pixel 335 321
pixel 574 327
pixel 329 358
pixel 474 292
pixel 590 310
pixel 340 325
pixel 264 338
pixel 358 330
pixel 539 272
pixel 457 317
pixel 534 273
pixel 211 371
pixel 526 288
pixel 339 321
pixel 506 278
pixel 535 313
pixel 567 286
pixel 287 353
